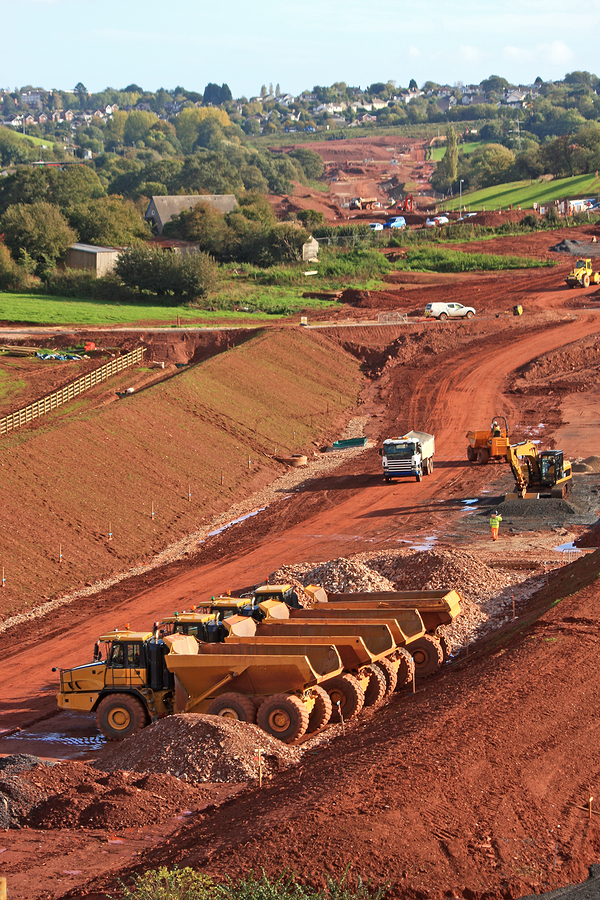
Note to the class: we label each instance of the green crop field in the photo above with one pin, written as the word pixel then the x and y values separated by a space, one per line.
pixel 526 193
pixel 439 152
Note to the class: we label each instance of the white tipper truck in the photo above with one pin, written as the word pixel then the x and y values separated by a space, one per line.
pixel 411 454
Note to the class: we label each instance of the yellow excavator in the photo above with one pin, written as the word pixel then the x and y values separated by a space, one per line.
pixel 542 473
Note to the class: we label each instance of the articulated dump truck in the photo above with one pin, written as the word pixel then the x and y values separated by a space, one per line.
pixel 287 669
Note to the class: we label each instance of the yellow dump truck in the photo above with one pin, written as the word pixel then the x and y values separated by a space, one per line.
pixel 370 656
pixel 490 444
pixel 145 676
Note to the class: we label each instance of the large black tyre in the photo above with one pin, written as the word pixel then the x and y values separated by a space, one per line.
pixel 345 690
pixel 419 475
pixel 446 647
pixel 233 706
pixel 322 710
pixel 586 280
pixel 390 674
pixel 427 654
pixel 471 454
pixel 470 315
pixel 406 668
pixel 283 716
pixel 443 316
pixel 375 691
pixel 120 715
pixel 483 456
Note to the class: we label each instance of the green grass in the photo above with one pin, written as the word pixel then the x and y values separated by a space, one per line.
pixel 438 153
pixel 428 259
pixel 525 193
pixel 40 142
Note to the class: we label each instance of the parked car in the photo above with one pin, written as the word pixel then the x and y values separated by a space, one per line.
pixel 444 311
pixel 395 222
pixel 375 226
pixel 436 221
pixel 466 216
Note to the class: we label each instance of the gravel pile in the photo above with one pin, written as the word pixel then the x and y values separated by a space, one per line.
pixel 17 796
pixel 487 594
pixel 338 576
pixel 198 748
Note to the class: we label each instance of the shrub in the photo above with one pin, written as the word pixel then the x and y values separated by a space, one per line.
pixel 13 277
pixel 188 276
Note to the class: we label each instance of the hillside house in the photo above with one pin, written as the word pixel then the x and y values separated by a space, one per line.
pixel 162 209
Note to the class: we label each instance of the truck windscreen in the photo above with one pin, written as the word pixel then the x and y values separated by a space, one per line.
pixel 399 451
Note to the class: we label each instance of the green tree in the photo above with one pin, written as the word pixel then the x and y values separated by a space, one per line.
pixel 23 186
pixel 494 85
pixel 73 185
pixel 185 277
pixel 108 222
pixel 310 218
pixel 446 170
pixel 490 164
pixel 137 126
pixel 37 230
pixel 311 162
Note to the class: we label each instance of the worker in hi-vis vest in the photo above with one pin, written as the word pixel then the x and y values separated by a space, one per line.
pixel 495 520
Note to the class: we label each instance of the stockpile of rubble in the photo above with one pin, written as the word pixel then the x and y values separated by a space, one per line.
pixel 17 796
pixel 197 748
pixel 486 593
pixel 338 575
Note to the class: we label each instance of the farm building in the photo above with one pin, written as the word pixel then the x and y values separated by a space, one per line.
pixel 162 209
pixel 99 260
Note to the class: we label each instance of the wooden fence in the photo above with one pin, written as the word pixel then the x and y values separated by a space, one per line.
pixel 70 391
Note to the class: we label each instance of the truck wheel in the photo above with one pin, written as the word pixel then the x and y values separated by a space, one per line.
pixel 321 712
pixel 419 475
pixel 442 317
pixel 471 454
pixel 283 716
pixel 345 690
pixel 586 280
pixel 483 456
pixel 233 706
pixel 119 715
pixel 375 692
pixel 427 654
pixel 406 668
pixel 390 674
pixel 469 315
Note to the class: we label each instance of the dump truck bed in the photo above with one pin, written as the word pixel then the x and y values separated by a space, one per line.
pixel 434 607
pixel 406 625
pixel 254 670
pixel 358 644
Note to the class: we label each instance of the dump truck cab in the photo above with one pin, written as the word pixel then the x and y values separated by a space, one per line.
pixel 282 592
pixel 128 667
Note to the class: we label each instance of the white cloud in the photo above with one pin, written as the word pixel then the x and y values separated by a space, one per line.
pixel 414 52
pixel 469 54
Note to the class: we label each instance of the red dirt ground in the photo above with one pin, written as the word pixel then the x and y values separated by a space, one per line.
pixel 475 787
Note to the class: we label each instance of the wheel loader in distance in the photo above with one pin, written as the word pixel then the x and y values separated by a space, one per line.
pixel 582 274
pixel 486 445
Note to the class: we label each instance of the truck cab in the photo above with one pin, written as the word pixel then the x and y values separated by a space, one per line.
pixel 411 454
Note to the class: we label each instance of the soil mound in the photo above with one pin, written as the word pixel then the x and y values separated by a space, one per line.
pixel 75 794
pixel 577 248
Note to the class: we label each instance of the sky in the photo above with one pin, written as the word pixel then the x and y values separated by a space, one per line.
pixel 114 43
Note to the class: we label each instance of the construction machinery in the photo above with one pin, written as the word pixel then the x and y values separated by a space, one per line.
pixel 582 274
pixel 537 474
pixel 486 445
pixel 145 676
pixel 372 649
pixel 364 203
pixel 411 454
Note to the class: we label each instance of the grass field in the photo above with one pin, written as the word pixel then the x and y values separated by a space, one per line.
pixel 526 193
pixel 438 153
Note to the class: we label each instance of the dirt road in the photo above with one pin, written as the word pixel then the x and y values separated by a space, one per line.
pixel 476 785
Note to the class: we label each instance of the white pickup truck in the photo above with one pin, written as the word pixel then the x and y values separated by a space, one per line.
pixel 411 454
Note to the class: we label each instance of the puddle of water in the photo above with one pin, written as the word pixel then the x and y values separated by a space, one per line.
pixel 562 547
pixel 427 543
pixel 93 741
pixel 470 502
pixel 234 522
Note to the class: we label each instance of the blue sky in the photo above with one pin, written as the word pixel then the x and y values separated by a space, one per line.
pixel 105 43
